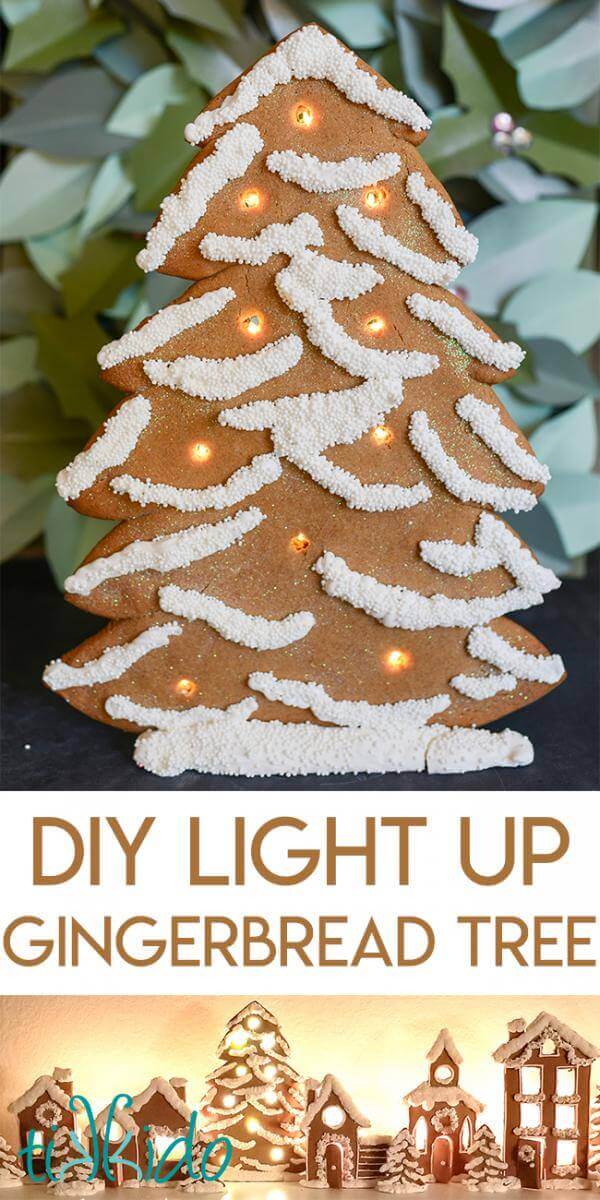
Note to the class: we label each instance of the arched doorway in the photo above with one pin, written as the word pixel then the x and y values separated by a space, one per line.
pixel 442 1155
pixel 334 1165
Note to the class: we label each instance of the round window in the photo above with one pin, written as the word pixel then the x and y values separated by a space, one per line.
pixel 443 1074
pixel 333 1116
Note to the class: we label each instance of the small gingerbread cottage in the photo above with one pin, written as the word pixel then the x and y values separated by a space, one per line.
pixel 441 1114
pixel 113 1136
pixel 154 1119
pixel 332 1125
pixel 41 1110
pixel 547 1069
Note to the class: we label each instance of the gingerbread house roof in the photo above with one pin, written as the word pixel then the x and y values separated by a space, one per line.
pixel 444 1042
pixel 427 1095
pixel 50 1085
pixel 120 1115
pixel 544 1022
pixel 328 1088
pixel 166 1089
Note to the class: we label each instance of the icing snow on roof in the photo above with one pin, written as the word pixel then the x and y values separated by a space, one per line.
pixel 328 1088
pixel 254 1009
pixel 427 1095
pixel 44 1084
pixel 546 1021
pixel 444 1041
pixel 62 1074
pixel 120 1115
pixel 158 1084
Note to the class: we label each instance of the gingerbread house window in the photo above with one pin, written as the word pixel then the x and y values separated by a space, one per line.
pixel 35 1139
pixel 443 1073
pixel 164 1148
pixel 564 1116
pixel 531 1115
pixel 565 1081
pixel 531 1080
pixel 333 1116
pixel 466 1134
pixel 566 1153
pixel 112 1133
pixel 548 1047
pixel 420 1134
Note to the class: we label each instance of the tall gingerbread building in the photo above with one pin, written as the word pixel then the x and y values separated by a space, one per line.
pixel 442 1115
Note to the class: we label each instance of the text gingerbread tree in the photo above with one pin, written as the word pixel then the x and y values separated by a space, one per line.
pixel 256 1100
pixel 311 572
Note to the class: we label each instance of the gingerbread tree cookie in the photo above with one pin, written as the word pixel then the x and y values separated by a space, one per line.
pixel 485 1168
pixel 199 1185
pixel 72 1172
pixel 10 1171
pixel 256 1100
pixel 402 1170
pixel 311 572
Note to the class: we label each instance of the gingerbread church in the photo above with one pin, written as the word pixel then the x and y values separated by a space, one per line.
pixel 44 1108
pixel 441 1114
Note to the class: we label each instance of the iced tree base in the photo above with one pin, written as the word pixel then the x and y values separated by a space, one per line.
pixel 230 746
pixel 73 1188
pixel 398 1188
pixel 209 1187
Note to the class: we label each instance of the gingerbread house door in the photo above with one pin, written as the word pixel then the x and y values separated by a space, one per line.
pixel 334 1165
pixel 442 1155
pixel 530 1162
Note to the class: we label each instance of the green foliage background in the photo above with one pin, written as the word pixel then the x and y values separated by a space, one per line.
pixel 98 94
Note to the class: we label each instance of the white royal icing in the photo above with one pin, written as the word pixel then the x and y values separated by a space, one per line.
pixel 486 422
pixel 303 231
pixel 303 426
pixel 308 285
pixel 483 687
pixel 224 378
pixel 121 708
pixel 259 633
pixel 246 481
pixel 315 175
pixel 112 663
pixel 180 211
pixel 166 324
pixel 495 545
pixel 505 356
pixel 308 54
pixel 119 437
pixel 458 481
pixel 165 553
pixel 351 713
pixel 492 648
pixel 460 750
pixel 369 235
pixel 439 216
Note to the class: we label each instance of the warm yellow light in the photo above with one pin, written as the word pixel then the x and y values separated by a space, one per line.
pixel 333 1116
pixel 304 116
pixel 185 688
pixel 250 199
pixel 240 1071
pixel 375 325
pixel 268 1042
pixel 375 197
pixel 200 452
pixel 399 660
pixel 299 543
pixel 270 1097
pixel 252 1125
pixel 270 1072
pixel 229 1101
pixel 382 435
pixel 275 1194
pixel 252 324
pixel 254 1022
pixel 277 1154
pixel 237 1038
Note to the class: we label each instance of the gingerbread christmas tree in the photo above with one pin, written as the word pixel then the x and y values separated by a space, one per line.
pixel 200 1182
pixel 256 1100
pixel 10 1171
pixel 594 1155
pixel 402 1170
pixel 311 570
pixel 485 1169
pixel 72 1171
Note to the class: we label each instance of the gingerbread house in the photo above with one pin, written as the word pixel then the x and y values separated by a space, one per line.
pixel 155 1118
pixel 441 1114
pixel 111 1134
pixel 41 1110
pixel 332 1125
pixel 547 1069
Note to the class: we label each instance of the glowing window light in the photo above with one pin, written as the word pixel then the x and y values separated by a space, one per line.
pixel 252 325
pixel 564 1117
pixel 375 325
pixel 465 1134
pixel 375 197
pixel 531 1080
pixel 250 200
pixel 165 1148
pixel 565 1081
pixel 382 435
pixel 185 688
pixel 299 543
pixel 200 452
pixel 114 1133
pixel 277 1154
pixel 566 1153
pixel 333 1116
pixel 399 660
pixel 531 1116
pixel 35 1139
pixel 304 116
pixel 420 1134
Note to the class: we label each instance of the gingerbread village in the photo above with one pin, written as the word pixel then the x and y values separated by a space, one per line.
pixel 280 1127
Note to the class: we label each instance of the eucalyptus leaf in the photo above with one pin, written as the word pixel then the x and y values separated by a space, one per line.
pixel 569 442
pixel 560 378
pixel 562 304
pixel 54 254
pixel 36 437
pixel 363 24
pixel 514 179
pixel 110 190
pixel 420 46
pixel 281 17
pixel 67 359
pixel 458 144
pixel 19 363
pixel 23 511
pixel 50 122
pixel 482 78
pixel 145 101
pixel 212 14
pixel 105 266
pixel 40 194
pixel 23 292
pixel 13 11
pixel 158 162
pixel 527 415
pixel 205 61
pixel 57 31
pixel 563 145
pixel 574 501
pixel 129 56
pixel 565 72
pixel 69 537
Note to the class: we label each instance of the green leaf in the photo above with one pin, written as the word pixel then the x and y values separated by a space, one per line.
pixel 58 31
pixel 562 304
pixel 523 412
pixel 22 293
pixel 50 120
pixel 53 255
pixel 69 537
pixel 516 243
pixel 19 357
pixel 419 43
pixel 514 179
pixel 482 78
pixel 280 17
pixel 36 437
pixel 363 24
pixel 110 190
pixel 136 51
pixel 14 11
pixel 148 97
pixel 210 13
pixel 105 266
pixel 23 511
pixel 563 145
pixel 205 61
pixel 565 72
pixel 560 377
pixel 569 442
pixel 459 144
pixel 159 161
pixel 574 502
pixel 39 194
pixel 67 359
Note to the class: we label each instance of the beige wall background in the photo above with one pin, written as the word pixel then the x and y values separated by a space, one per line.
pixel 376 1045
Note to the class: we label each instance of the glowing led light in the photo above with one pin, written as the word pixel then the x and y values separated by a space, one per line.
pixel 229 1100
pixel 268 1042
pixel 299 543
pixel 304 116
pixel 270 1097
pixel 250 199
pixel 382 435
pixel 185 688
pixel 270 1072
pixel 375 325
pixel 240 1071
pixel 252 324
pixel 399 660
pixel 375 197
pixel 252 1125
pixel 200 452
pixel 254 1022
pixel 237 1038
pixel 277 1154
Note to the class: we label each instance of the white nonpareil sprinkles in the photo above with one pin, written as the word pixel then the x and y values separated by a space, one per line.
pixel 459 482
pixel 166 324
pixel 505 356
pixel 439 216
pixel 483 687
pixel 119 437
pixel 224 378
pixel 310 53
pixel 486 422
pixel 246 481
pixel 124 709
pixel 180 211
pixel 369 235
pixel 494 545
pixel 315 175
pixel 303 231
pixel 259 633
pixel 165 553
pixel 490 647
pixel 112 663
pixel 351 713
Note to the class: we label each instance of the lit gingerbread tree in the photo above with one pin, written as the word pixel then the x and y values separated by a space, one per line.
pixel 10 1171
pixel 311 572
pixel 255 1099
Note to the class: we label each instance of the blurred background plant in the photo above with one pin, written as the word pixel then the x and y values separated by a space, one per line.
pixel 97 93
